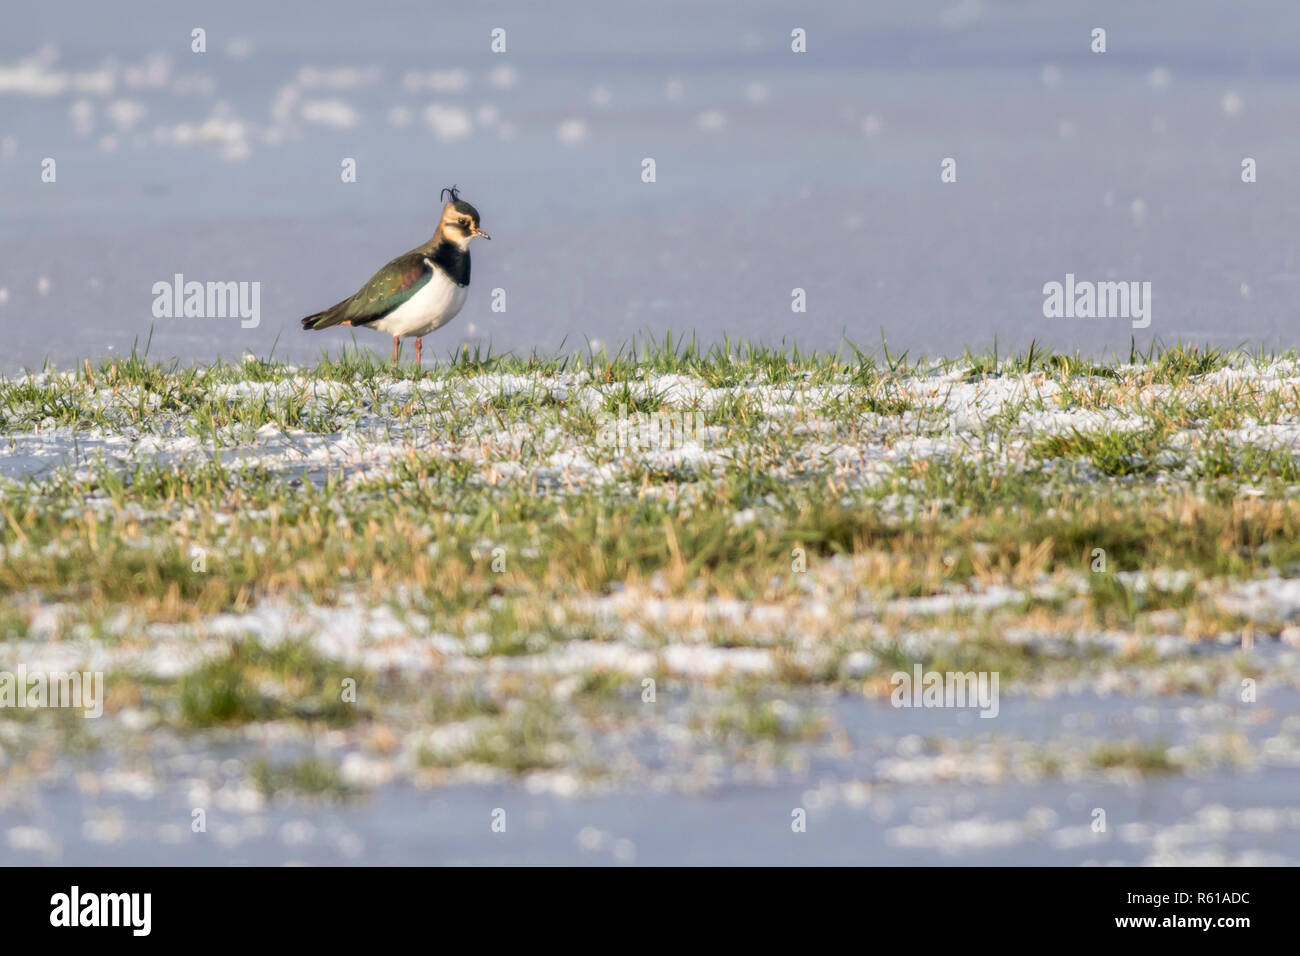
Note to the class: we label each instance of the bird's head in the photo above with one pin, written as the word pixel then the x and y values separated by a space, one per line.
pixel 460 221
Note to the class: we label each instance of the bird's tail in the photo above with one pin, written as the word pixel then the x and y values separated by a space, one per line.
pixel 334 315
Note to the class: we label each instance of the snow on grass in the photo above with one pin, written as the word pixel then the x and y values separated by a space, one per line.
pixel 507 587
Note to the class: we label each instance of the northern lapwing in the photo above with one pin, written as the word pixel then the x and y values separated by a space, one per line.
pixel 417 292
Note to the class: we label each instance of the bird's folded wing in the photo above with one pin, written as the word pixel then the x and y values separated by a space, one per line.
pixel 388 288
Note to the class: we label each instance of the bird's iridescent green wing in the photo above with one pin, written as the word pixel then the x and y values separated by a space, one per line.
pixel 388 288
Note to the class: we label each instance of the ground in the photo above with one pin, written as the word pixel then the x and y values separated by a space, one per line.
pixel 616 591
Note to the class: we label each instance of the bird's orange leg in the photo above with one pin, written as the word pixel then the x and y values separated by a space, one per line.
pixel 419 344
pixel 395 347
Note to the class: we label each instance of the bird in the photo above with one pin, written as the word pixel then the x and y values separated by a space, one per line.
pixel 419 291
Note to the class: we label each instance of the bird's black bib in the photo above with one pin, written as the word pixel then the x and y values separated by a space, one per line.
pixel 452 260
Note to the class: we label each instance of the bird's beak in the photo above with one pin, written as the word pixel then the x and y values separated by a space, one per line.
pixel 480 232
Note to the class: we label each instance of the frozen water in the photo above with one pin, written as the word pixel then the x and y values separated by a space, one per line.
pixel 774 170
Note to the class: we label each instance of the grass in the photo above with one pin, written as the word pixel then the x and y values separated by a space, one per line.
pixel 748 718
pixel 526 735
pixel 1114 452
pixel 308 777
pixel 257 683
pixel 1144 757
pixel 476 500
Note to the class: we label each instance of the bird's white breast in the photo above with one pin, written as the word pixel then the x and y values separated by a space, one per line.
pixel 435 304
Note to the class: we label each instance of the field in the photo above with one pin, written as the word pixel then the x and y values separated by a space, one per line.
pixel 673 574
